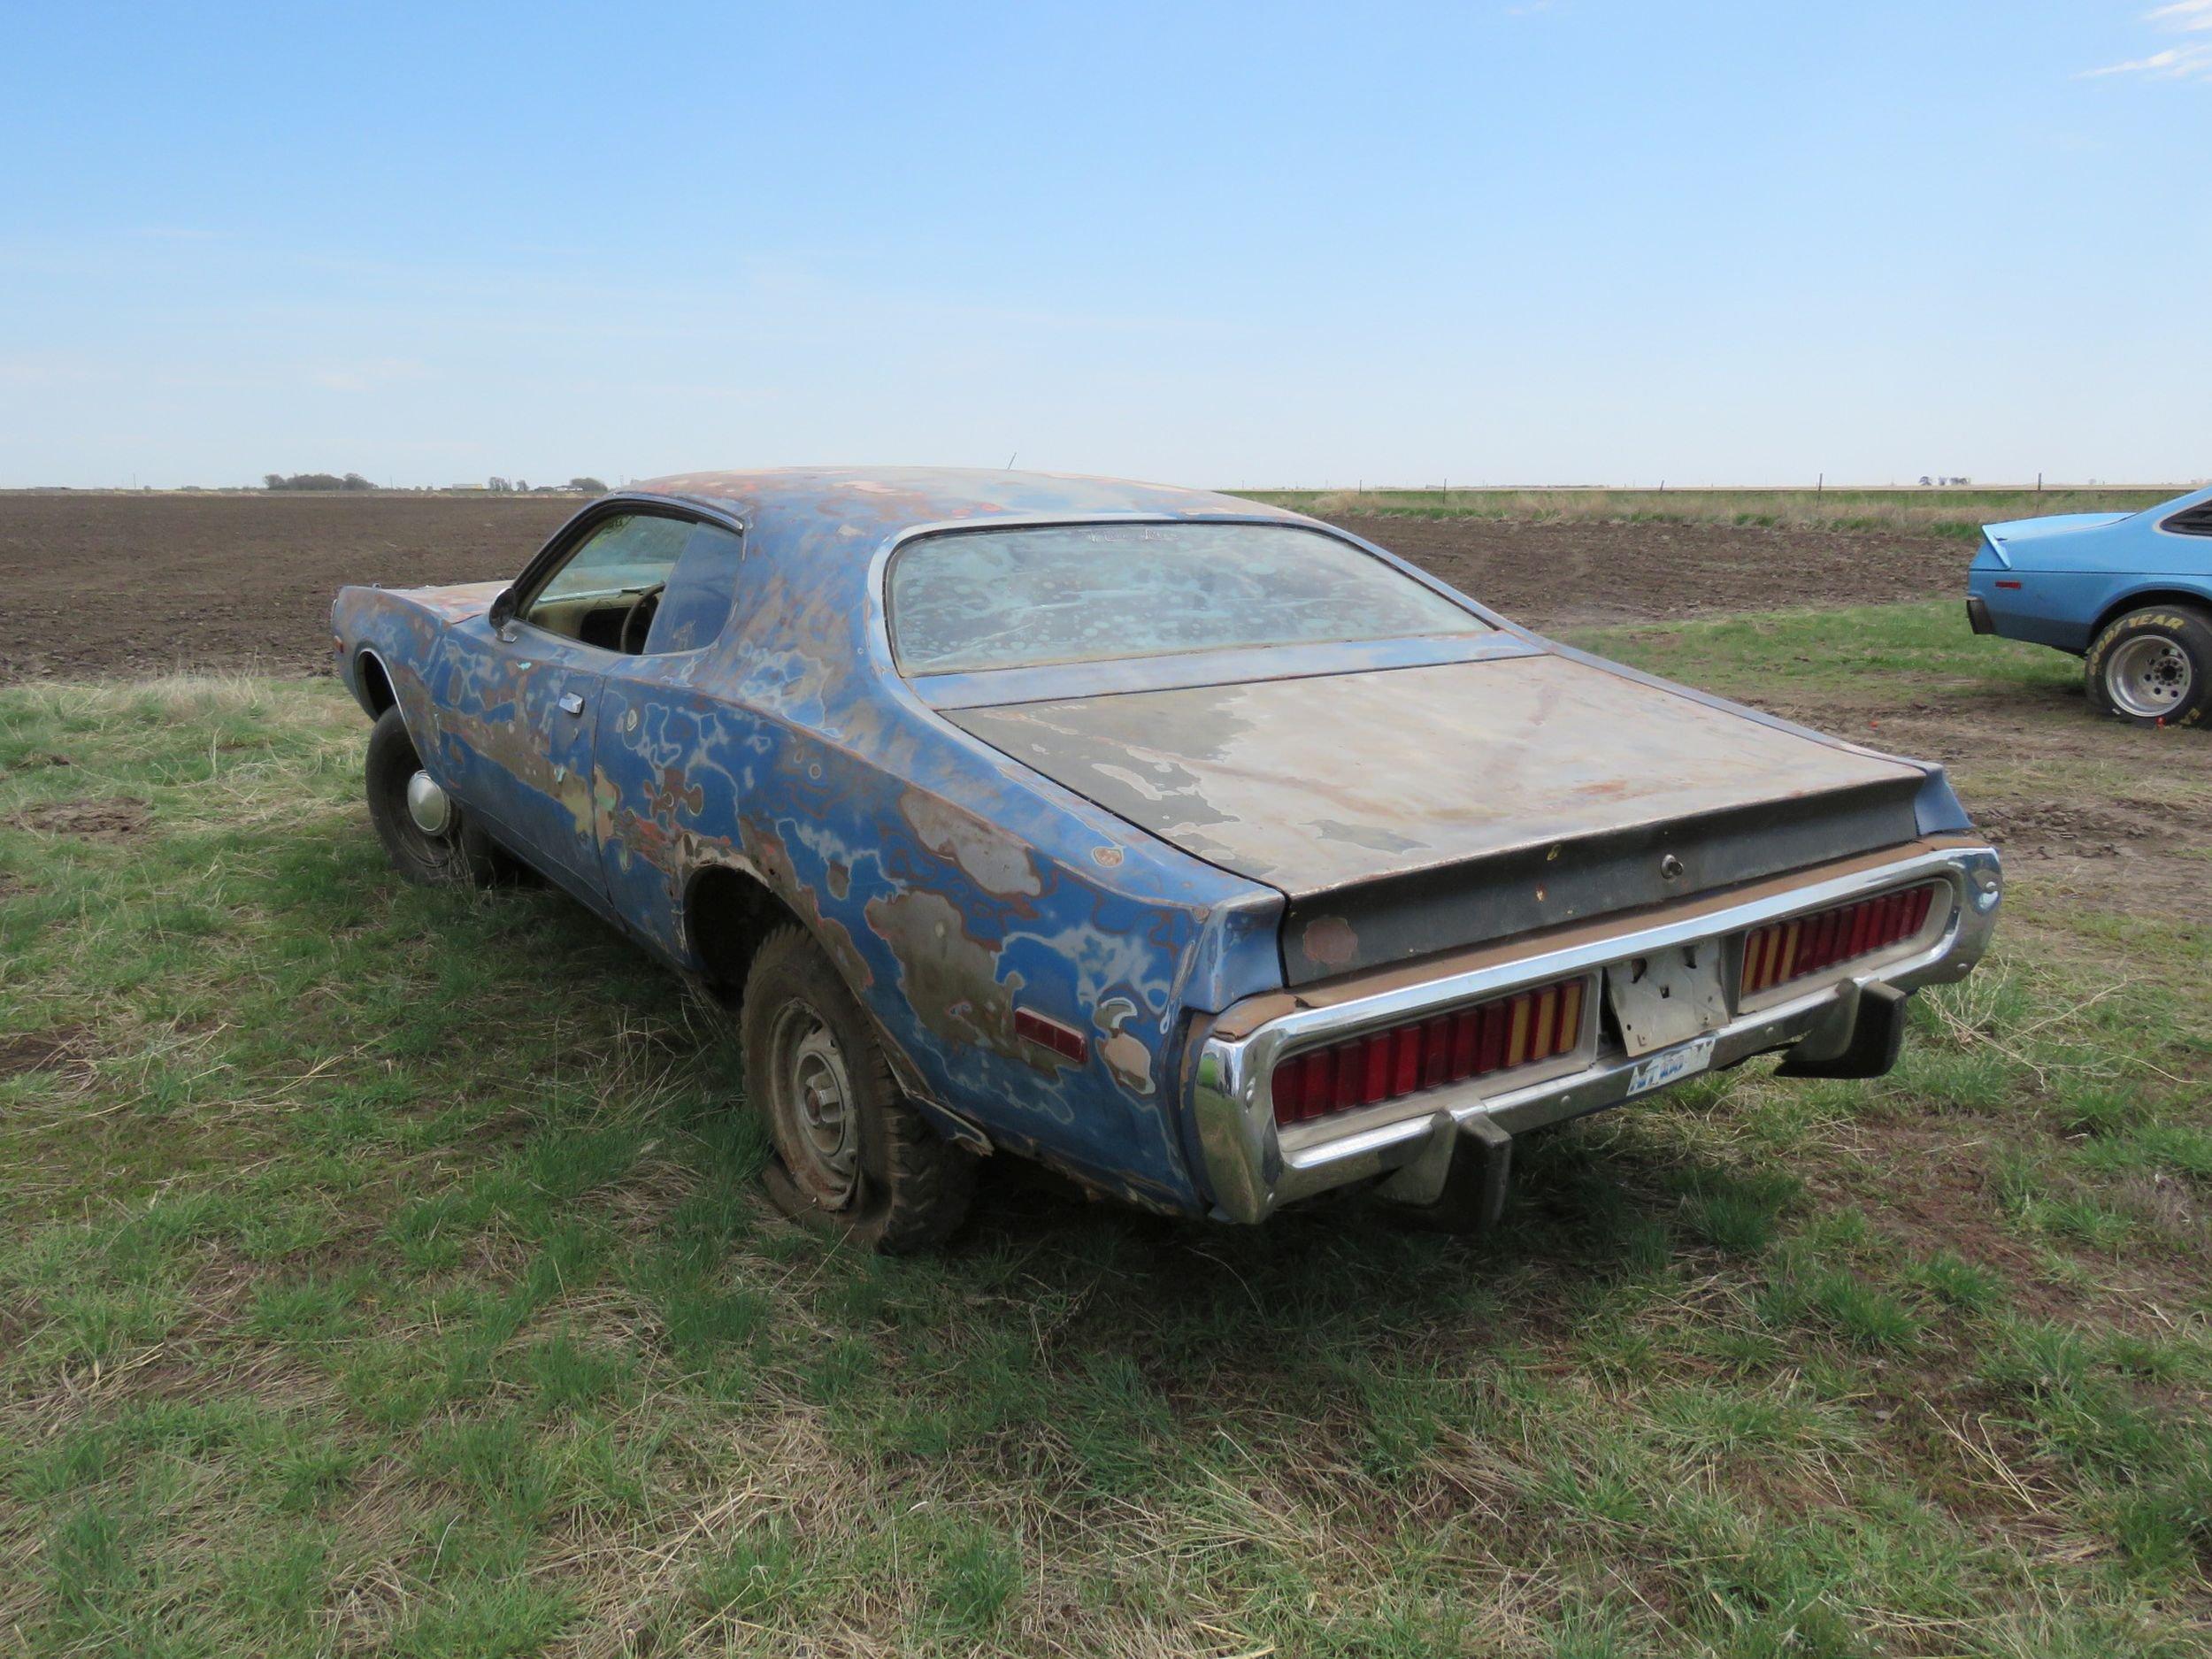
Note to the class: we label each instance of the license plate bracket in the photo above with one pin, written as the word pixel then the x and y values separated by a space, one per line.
pixel 1667 996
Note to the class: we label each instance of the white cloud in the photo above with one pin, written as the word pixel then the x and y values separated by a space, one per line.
pixel 2175 63
pixel 2183 14
pixel 2190 61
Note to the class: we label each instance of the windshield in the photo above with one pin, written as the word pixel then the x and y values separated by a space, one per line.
pixel 985 599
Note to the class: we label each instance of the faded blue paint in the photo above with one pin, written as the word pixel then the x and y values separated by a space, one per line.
pixel 951 882
pixel 947 882
pixel 2070 573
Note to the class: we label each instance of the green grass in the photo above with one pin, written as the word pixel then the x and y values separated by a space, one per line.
pixel 1918 649
pixel 1958 514
pixel 381 1270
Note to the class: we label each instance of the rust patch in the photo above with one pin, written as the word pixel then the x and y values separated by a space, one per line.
pixel 1125 1056
pixel 765 851
pixel 1330 940
pixel 513 747
pixel 995 861
pixel 672 795
pixel 110 820
pixel 949 976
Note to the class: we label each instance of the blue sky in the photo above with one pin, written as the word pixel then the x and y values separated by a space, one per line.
pixel 1584 241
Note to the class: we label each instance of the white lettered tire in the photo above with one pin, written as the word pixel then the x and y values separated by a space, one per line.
pixel 2152 667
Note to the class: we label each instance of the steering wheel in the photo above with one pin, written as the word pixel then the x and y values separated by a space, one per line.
pixel 637 622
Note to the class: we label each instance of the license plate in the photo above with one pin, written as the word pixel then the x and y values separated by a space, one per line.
pixel 1676 1064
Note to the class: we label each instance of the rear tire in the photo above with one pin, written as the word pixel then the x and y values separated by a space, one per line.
pixel 852 1159
pixel 2152 667
pixel 457 855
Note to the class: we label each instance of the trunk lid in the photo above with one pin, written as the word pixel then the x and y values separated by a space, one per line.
pixel 1409 810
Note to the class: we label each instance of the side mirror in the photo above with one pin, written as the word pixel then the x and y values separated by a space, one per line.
pixel 502 612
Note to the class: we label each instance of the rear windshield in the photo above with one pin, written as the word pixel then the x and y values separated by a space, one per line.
pixel 1084 593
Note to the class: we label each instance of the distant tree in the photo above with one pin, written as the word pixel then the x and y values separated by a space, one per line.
pixel 522 486
pixel 498 485
pixel 273 480
pixel 588 486
pixel 354 480
pixel 307 481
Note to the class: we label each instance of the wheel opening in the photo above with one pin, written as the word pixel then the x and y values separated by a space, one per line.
pixel 376 687
pixel 726 915
pixel 2194 603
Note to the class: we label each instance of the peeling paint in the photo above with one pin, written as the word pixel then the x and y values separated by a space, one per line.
pixel 940 877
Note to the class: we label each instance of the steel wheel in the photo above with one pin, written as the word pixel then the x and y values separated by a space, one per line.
pixel 2149 677
pixel 852 1158
pixel 812 1092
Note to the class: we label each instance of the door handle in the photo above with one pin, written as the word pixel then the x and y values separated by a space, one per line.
pixel 571 703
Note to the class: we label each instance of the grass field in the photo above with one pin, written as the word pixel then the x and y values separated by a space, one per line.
pixel 1958 513
pixel 380 1271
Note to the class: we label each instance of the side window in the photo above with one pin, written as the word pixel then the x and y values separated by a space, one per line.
pixel 640 584
pixel 2195 520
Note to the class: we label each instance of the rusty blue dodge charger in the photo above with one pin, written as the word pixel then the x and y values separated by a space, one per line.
pixel 1199 850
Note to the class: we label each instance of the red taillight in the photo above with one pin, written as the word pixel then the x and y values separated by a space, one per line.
pixel 1540 1024
pixel 1806 945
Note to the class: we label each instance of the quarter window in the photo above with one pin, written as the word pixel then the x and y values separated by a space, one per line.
pixel 2195 520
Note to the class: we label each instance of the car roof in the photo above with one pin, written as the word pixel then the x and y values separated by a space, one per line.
pixel 889 499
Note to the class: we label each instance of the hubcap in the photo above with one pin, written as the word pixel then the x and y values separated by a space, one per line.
pixel 427 805
pixel 2150 677
pixel 817 1103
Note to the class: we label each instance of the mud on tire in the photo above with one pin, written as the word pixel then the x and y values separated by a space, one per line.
pixel 852 1158
pixel 2152 667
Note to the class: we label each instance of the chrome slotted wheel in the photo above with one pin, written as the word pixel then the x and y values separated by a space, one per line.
pixel 2149 677
pixel 814 1097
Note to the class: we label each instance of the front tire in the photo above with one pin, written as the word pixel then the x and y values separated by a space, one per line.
pixel 852 1159
pixel 430 841
pixel 2152 667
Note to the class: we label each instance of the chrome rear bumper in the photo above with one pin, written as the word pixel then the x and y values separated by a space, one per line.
pixel 1252 1167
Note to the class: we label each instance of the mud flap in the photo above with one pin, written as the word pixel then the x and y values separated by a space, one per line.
pixel 1876 1035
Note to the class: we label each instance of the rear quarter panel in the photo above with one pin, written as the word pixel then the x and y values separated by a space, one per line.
pixel 2056 589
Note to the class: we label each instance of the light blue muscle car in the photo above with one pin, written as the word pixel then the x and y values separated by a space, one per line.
pixel 2129 593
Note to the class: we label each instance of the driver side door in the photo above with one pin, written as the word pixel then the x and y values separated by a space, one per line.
pixel 517 698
